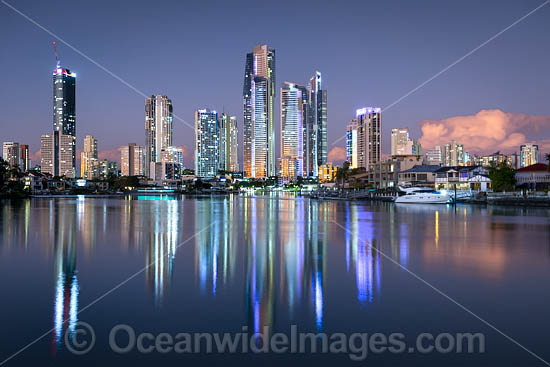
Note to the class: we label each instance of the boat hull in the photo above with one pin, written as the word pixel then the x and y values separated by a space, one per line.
pixel 423 199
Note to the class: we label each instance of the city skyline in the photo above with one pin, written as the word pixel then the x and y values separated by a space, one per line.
pixel 498 107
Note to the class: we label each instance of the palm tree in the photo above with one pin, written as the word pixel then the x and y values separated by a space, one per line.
pixel 342 173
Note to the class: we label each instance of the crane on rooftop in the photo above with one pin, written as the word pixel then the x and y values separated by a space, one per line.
pixel 58 62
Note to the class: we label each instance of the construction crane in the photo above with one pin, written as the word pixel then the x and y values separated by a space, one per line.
pixel 58 62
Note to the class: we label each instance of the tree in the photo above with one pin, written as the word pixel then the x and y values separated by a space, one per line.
pixel 547 156
pixel 503 178
pixel 342 173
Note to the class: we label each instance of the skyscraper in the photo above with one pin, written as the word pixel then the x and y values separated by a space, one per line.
pixel 368 136
pixel 10 153
pixel 207 132
pixel 351 144
pixel 228 144
pixel 64 122
pixel 46 154
pixel 399 139
pixel 317 135
pixel 158 129
pixel 529 154
pixel 89 163
pixel 453 154
pixel 132 160
pixel 258 99
pixel 294 107
pixel 434 156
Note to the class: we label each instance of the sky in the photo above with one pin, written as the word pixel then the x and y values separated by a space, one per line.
pixel 370 53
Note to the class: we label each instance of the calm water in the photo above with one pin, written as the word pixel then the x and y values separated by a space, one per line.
pixel 218 265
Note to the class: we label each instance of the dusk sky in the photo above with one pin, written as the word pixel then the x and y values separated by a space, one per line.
pixel 370 54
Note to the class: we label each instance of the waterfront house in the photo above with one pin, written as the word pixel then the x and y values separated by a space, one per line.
pixel 463 178
pixel 418 175
pixel 535 176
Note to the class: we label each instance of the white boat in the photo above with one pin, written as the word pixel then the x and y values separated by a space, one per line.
pixel 422 195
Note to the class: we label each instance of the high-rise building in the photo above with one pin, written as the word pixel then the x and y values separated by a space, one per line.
pixel 294 107
pixel 453 153
pixel 24 158
pixel 158 129
pixel 529 154
pixel 401 144
pixel 399 140
pixel 228 145
pixel 258 100
pixel 207 132
pixel 172 155
pixel 107 168
pixel 89 163
pixel 316 128
pixel 64 122
pixel 351 144
pixel 46 154
pixel 132 160
pixel 434 156
pixel 369 147
pixel 10 153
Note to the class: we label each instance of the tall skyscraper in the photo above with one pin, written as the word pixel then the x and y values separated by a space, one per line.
pixel 258 99
pixel 369 121
pixel 228 145
pixel 158 129
pixel 529 154
pixel 316 129
pixel 24 158
pixel 64 122
pixel 10 153
pixel 207 132
pixel 453 154
pixel 294 107
pixel 132 160
pixel 89 163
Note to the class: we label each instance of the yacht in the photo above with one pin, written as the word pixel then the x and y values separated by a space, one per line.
pixel 422 195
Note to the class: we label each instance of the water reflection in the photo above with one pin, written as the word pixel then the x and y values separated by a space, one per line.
pixel 363 251
pixel 270 261
pixel 63 236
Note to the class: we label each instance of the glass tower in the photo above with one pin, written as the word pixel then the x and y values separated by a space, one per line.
pixel 258 99
pixel 64 122
pixel 207 132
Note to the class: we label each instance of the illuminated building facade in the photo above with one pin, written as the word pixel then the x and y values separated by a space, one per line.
pixel 351 144
pixel 294 107
pixel 10 153
pixel 228 160
pixel 258 100
pixel 368 136
pixel 529 154
pixel 316 129
pixel 453 153
pixel 89 164
pixel 64 122
pixel 206 143
pixel 132 160
pixel 158 129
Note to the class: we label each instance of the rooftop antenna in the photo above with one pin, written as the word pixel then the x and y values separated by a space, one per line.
pixel 58 62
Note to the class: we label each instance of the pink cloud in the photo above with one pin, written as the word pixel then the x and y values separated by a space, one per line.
pixel 488 131
pixel 337 155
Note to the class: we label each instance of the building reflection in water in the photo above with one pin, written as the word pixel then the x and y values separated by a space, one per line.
pixel 14 223
pixel 362 252
pixel 161 247
pixel 63 234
